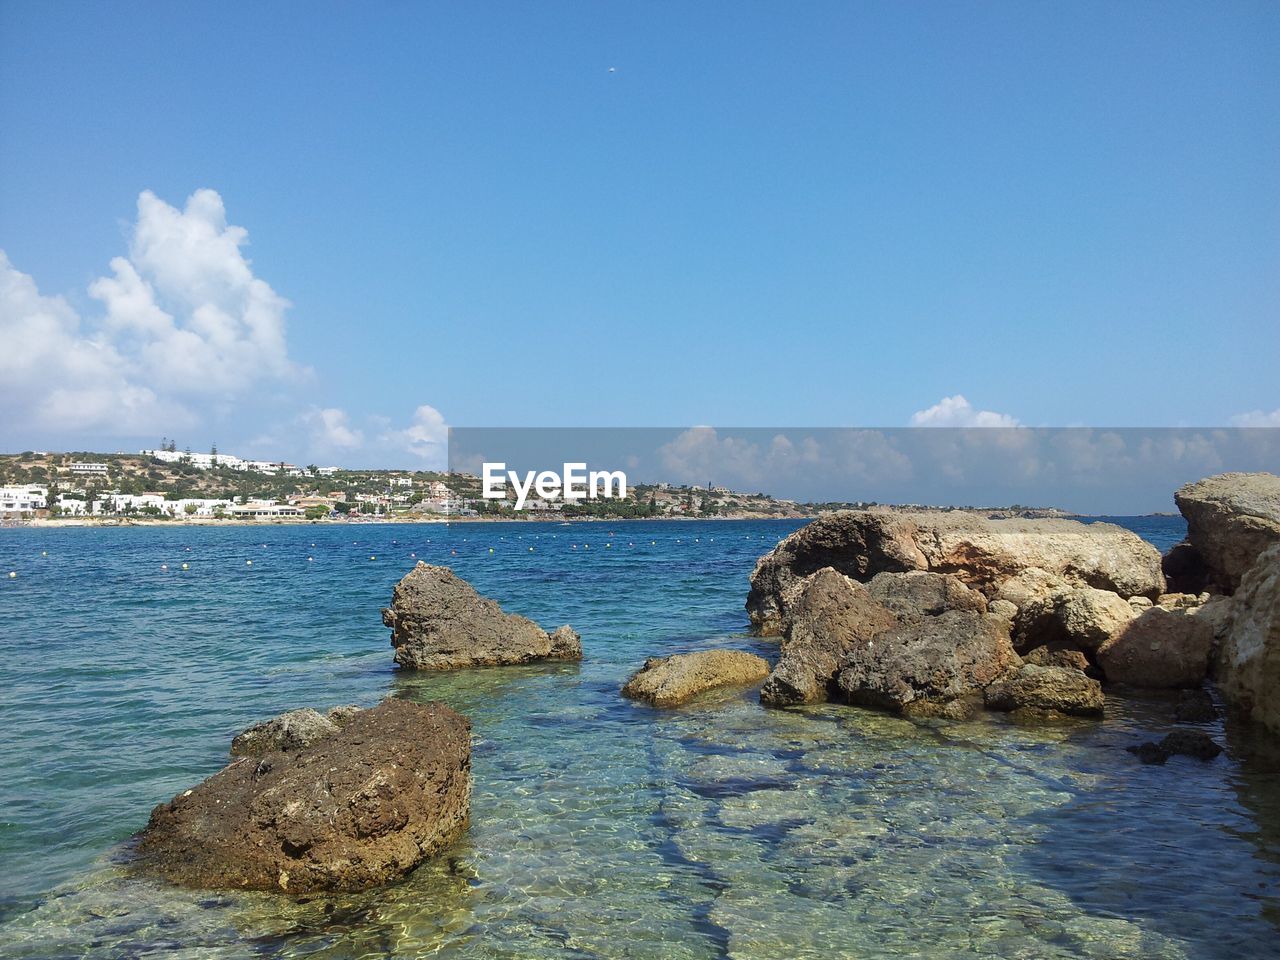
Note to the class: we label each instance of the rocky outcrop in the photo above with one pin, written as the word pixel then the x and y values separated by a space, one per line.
pixel 1247 666
pixel 439 622
pixel 831 616
pixel 670 681
pixel 361 807
pixel 921 667
pixel 1159 648
pixel 291 731
pixel 984 554
pixel 1231 519
pixel 1051 689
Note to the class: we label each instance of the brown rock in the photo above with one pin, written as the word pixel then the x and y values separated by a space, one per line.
pixel 916 594
pixel 1160 648
pixel 832 615
pixel 669 681
pixel 1047 688
pixel 1247 666
pixel 361 807
pixel 439 622
pixel 924 663
pixel 289 731
pixel 1231 519
pixel 1080 617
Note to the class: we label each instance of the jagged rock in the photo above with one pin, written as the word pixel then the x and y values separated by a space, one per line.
pixel 1080 617
pixel 1160 648
pixel 1190 743
pixel 1004 609
pixel 1195 706
pixel 439 622
pixel 982 553
pixel 1247 666
pixel 1141 603
pixel 1057 655
pixel 669 681
pixel 858 544
pixel 922 664
pixel 1047 688
pixel 1029 586
pixel 361 807
pixel 1231 519
pixel 289 731
pixel 832 615
pixel 910 596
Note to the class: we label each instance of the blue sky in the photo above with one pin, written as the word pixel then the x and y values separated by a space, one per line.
pixel 631 214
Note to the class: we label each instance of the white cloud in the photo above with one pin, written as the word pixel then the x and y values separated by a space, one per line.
pixel 185 317
pixel 958 412
pixel 1257 418
pixel 426 437
pixel 331 429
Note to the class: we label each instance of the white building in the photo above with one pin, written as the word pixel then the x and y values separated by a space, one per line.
pixel 89 469
pixel 402 481
pixel 16 501
pixel 326 471
pixel 260 509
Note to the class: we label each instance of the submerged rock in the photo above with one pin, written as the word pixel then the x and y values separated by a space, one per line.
pixel 668 681
pixel 1231 519
pixel 1047 688
pixel 1190 743
pixel 361 807
pixel 832 616
pixel 921 665
pixel 1160 648
pixel 984 554
pixel 439 622
pixel 1195 706
pixel 1247 666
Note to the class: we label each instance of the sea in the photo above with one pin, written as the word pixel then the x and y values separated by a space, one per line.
pixel 130 656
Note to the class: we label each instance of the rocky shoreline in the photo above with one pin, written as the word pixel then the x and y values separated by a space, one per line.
pixel 937 616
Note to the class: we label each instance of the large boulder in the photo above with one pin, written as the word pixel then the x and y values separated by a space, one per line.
pixel 439 622
pixel 831 616
pixel 1053 689
pixel 361 807
pixel 669 681
pixel 981 552
pixel 856 543
pixel 1159 648
pixel 1083 618
pixel 1231 519
pixel 1247 666
pixel 922 666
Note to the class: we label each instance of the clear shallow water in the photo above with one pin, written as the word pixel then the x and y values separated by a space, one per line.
pixel 599 828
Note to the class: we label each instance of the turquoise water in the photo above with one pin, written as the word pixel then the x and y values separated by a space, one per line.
pixel 600 828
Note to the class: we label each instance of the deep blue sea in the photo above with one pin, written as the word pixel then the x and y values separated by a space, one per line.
pixel 600 828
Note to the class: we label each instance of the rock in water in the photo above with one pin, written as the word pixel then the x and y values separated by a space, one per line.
pixel 982 553
pixel 832 616
pixel 1195 706
pixel 1247 666
pixel 289 731
pixel 668 681
pixel 363 806
pixel 439 622
pixel 1188 743
pixel 921 666
pixel 1160 648
pixel 910 596
pixel 1231 519
pixel 1048 688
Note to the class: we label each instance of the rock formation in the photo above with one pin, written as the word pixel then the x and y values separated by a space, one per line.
pixel 439 622
pixel 669 681
pixel 1051 689
pixel 1247 665
pixel 982 553
pixel 360 807
pixel 1160 648
pixel 1231 519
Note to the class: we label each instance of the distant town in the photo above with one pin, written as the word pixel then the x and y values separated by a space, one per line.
pixel 169 484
